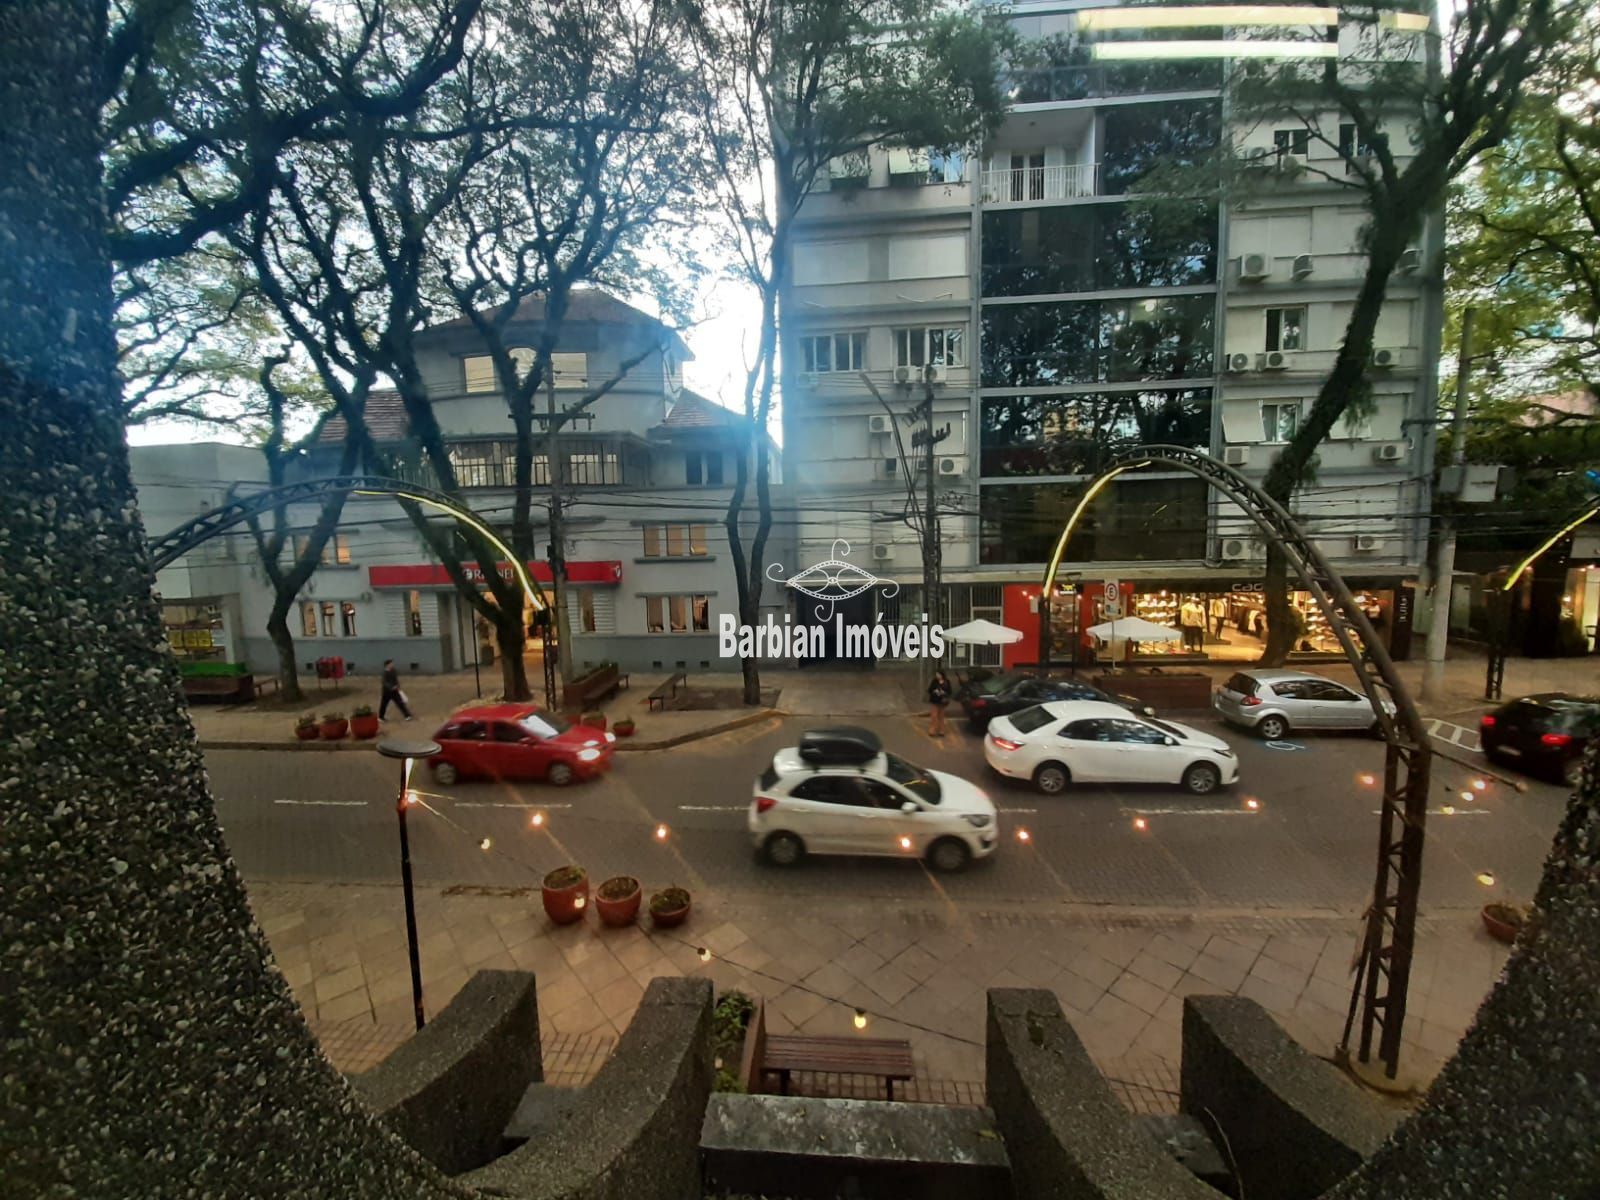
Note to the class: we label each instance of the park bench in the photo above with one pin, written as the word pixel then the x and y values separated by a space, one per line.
pixel 596 685
pixel 666 691
pixel 888 1059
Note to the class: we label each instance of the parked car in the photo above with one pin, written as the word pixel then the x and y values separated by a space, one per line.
pixel 1090 741
pixel 1018 690
pixel 840 792
pixel 518 741
pixel 1273 701
pixel 1546 734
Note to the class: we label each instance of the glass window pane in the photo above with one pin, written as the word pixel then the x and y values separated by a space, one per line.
pixel 652 540
pixel 858 350
pixel 902 347
pixel 955 347
pixel 714 466
pixel 824 353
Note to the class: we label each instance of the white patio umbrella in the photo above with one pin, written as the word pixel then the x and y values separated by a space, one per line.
pixel 1133 629
pixel 983 633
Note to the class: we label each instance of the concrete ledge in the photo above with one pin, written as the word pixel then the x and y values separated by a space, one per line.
pixel 634 1132
pixel 450 1090
pixel 810 1149
pixel 1294 1124
pixel 1067 1135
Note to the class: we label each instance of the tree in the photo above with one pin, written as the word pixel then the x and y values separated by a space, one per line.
pixel 796 85
pixel 1448 116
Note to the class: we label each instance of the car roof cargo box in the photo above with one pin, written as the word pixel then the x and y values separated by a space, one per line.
pixel 840 744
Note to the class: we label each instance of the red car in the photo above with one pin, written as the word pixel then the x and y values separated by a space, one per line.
pixel 518 741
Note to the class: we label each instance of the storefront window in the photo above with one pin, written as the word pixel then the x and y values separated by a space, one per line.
pixel 1072 435
pixel 1132 520
pixel 194 630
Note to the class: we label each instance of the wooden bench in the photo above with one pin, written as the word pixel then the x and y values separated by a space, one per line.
pixel 240 688
pixel 596 685
pixel 889 1059
pixel 666 691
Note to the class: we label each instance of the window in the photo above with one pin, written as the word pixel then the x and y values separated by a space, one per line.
pixel 413 614
pixel 335 550
pixel 946 168
pixel 913 778
pixel 1074 434
pixel 1132 520
pixel 1279 422
pixel 1286 328
pixel 1352 147
pixel 677 614
pixel 674 541
pixel 1291 141
pixel 1139 733
pixel 478 372
pixel 1027 176
pixel 874 793
pixel 347 619
pixel 825 353
pixel 476 464
pixel 327 618
pixel 569 370
pixel 467 731
pixel 702 467
pixel 941 346
pixel 504 731
pixel 1030 719
pixel 594 466
pixel 1088 731
pixel 824 789
pixel 1092 341
pixel 586 609
pixel 544 724
pixel 308 620
pixel 1080 248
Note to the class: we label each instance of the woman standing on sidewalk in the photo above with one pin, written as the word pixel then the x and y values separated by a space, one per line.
pixel 938 698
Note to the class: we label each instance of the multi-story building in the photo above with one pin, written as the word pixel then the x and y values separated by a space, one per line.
pixel 1064 317
pixel 646 483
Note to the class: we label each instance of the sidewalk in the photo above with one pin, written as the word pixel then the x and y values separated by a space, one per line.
pixel 918 972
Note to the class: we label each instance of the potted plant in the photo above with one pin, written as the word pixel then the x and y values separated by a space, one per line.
pixel 1504 920
pixel 618 900
pixel 566 894
pixel 334 726
pixel 624 727
pixel 305 727
pixel 595 720
pixel 669 907
pixel 363 722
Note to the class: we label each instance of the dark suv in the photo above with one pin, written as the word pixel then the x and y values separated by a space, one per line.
pixel 1002 695
pixel 1544 734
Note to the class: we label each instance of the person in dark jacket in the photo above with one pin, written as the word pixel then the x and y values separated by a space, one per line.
pixel 938 698
pixel 391 691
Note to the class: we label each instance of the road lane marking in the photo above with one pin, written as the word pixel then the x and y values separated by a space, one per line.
pixel 712 807
pixel 1194 812
pixel 502 804
pixel 1456 735
pixel 325 803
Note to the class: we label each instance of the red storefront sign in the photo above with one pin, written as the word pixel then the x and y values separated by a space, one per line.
pixel 421 575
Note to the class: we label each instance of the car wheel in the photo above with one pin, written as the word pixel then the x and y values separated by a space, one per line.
pixel 1272 727
pixel 949 855
pixel 1051 779
pixel 559 774
pixel 444 774
pixel 784 849
pixel 1201 779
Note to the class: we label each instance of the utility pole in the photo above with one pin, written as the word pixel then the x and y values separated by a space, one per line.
pixel 1445 561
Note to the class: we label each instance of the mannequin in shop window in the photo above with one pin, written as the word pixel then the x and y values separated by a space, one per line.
pixel 1192 619
pixel 1219 615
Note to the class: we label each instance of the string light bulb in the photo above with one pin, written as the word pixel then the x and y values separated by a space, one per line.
pixel 1468 797
pixel 1486 878
pixel 1023 835
pixel 705 954
pixel 579 901
pixel 905 843
pixel 1449 810
pixel 485 844
pixel 861 1018
pixel 1141 824
pixel 1252 803
pixel 536 820
pixel 661 833
pixel 1366 779
pixel 1480 785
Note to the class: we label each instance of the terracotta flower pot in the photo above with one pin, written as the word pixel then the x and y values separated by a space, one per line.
pixel 670 908
pixel 307 733
pixel 1502 921
pixel 364 727
pixel 565 898
pixel 623 729
pixel 595 720
pixel 618 900
pixel 332 731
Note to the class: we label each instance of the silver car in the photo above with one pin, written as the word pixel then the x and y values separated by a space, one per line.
pixel 1274 701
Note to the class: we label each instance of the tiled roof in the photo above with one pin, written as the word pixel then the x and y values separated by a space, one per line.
pixel 694 411
pixel 385 418
pixel 584 304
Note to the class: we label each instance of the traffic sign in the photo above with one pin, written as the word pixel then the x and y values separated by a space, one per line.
pixel 1113 598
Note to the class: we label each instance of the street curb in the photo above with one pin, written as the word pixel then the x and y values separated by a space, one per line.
pixel 620 745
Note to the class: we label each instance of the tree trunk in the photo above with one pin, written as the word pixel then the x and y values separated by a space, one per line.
pixel 1281 625
pixel 513 670
pixel 283 642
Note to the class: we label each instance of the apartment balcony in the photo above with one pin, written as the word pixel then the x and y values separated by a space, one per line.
pixel 1027 185
pixel 1047 85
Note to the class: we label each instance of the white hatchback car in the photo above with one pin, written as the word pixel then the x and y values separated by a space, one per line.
pixel 1088 741
pixel 880 805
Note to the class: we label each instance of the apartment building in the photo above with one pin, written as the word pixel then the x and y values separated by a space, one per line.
pixel 1057 318
pixel 646 483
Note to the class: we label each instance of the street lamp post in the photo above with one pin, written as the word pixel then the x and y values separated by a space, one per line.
pixel 408 751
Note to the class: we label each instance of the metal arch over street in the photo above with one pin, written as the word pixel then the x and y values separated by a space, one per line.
pixel 170 546
pixel 1385 970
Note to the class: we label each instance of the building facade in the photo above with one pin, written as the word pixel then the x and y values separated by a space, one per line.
pixel 647 479
pixel 1057 317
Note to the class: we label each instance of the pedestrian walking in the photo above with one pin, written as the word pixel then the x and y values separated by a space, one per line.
pixel 392 692
pixel 938 698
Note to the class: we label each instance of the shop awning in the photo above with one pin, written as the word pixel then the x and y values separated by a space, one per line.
pixel 603 572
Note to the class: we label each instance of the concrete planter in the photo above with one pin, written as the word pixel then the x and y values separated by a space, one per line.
pixel 1162 692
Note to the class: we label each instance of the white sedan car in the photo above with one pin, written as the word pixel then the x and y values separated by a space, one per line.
pixel 881 805
pixel 1088 741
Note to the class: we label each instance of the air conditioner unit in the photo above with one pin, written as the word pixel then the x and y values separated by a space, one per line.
pixel 1410 260
pixel 1272 360
pixel 1236 456
pixel 1302 266
pixel 1385 358
pixel 1389 451
pixel 881 553
pixel 904 374
pixel 1364 543
pixel 936 374
pixel 878 424
pixel 891 467
pixel 1233 548
pixel 1238 362
pixel 949 466
pixel 1254 266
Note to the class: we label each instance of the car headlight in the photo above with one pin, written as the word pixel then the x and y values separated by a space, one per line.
pixel 978 820
pixel 588 755
pixel 610 737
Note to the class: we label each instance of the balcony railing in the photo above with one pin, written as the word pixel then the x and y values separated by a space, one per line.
pixel 1041 183
pixel 1047 84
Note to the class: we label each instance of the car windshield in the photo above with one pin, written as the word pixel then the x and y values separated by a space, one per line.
pixel 544 724
pixel 1169 730
pixel 1030 719
pixel 1241 683
pixel 913 778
